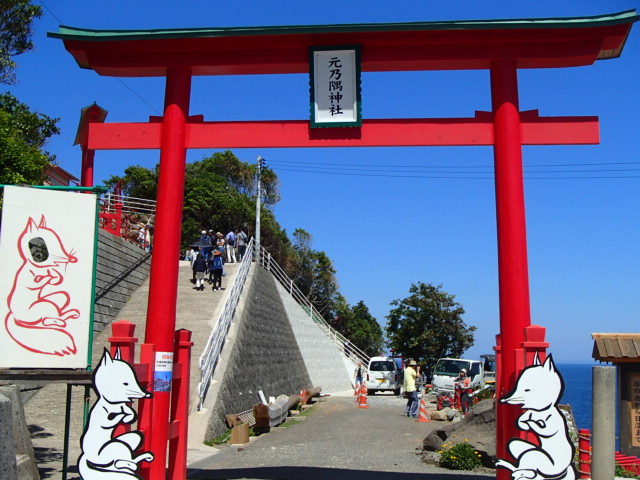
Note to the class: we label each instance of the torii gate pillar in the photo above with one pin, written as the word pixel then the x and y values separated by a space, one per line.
pixel 163 292
pixel 515 312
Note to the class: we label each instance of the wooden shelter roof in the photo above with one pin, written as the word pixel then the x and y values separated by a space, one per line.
pixel 450 45
pixel 616 347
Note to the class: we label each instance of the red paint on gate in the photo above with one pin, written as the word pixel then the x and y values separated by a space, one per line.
pixel 498 46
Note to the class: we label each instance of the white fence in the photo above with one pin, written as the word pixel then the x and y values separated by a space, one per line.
pixel 343 343
pixel 211 354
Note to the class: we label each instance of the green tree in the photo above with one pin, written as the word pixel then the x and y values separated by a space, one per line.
pixel 138 181
pixel 219 194
pixel 314 274
pixel 428 325
pixel 23 134
pixel 16 18
pixel 359 326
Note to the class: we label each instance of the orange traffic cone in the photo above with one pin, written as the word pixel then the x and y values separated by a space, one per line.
pixel 423 416
pixel 356 393
pixel 362 402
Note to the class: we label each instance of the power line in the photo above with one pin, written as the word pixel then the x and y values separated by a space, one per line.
pixel 386 169
pixel 117 78
pixel 139 96
pixel 51 12
pixel 312 163
pixel 461 176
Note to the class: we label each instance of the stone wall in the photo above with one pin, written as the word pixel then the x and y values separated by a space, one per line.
pixel 122 267
pixel 264 355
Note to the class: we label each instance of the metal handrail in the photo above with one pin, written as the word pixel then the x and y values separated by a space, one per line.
pixel 211 354
pixel 342 342
pixel 129 205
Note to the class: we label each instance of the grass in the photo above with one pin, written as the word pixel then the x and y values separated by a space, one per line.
pixel 290 422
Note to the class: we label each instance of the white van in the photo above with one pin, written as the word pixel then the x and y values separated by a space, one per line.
pixel 447 369
pixel 383 374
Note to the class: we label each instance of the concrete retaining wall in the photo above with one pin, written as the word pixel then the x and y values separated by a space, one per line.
pixel 263 355
pixel 122 267
pixel 327 366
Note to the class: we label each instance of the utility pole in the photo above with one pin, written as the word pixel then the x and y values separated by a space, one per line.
pixel 258 197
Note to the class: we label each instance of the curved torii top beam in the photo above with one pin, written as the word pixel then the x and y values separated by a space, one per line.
pixel 450 45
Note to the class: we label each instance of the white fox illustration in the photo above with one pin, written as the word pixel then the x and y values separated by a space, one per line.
pixel 38 305
pixel 538 390
pixel 105 457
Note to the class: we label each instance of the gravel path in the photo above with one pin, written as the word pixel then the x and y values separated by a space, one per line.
pixel 336 441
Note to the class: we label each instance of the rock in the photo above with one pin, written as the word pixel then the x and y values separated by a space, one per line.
pixel 453 415
pixel 479 427
pixel 430 458
pixel 439 415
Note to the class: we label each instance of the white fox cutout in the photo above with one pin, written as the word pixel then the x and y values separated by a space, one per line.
pixel 538 390
pixel 38 303
pixel 105 457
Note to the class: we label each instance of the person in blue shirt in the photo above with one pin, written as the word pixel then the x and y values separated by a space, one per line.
pixel 216 268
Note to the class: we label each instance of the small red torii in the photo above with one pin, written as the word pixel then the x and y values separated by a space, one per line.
pixel 500 46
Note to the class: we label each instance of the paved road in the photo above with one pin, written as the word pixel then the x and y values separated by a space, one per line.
pixel 336 441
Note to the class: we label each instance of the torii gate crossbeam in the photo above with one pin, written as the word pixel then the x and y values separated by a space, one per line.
pixel 499 46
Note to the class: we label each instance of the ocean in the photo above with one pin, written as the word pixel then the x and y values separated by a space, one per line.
pixel 577 391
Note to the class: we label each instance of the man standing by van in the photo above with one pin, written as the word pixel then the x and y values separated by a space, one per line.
pixel 410 375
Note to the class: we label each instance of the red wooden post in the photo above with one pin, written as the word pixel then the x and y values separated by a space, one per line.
pixel 584 449
pixel 118 217
pixel 163 289
pixel 88 156
pixel 145 406
pixel 535 344
pixel 515 312
pixel 88 115
pixel 124 340
pixel 498 351
pixel 180 406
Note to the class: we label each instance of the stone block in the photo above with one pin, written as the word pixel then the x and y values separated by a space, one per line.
pixel 24 457
pixel 7 445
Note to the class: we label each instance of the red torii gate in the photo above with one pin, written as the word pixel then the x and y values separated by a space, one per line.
pixel 500 46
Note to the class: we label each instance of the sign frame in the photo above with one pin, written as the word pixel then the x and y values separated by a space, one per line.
pixel 89 308
pixel 351 67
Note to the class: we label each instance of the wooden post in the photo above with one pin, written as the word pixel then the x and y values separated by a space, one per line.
pixel 179 429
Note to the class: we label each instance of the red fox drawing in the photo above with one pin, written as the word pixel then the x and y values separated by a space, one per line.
pixel 38 304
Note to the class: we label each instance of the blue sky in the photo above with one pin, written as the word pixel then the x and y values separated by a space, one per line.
pixel 384 226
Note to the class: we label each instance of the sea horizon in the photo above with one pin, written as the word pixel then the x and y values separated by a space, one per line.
pixel 578 392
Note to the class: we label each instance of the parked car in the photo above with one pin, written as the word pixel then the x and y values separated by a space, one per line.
pixel 447 369
pixel 383 374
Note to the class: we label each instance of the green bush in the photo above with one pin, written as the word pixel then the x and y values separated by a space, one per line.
pixel 219 440
pixel 461 456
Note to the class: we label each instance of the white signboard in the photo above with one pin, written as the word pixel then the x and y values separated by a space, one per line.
pixel 335 87
pixel 47 247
